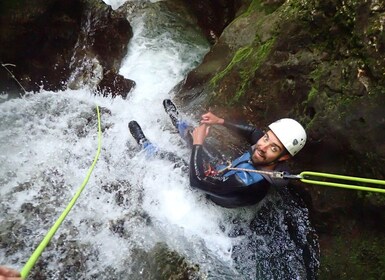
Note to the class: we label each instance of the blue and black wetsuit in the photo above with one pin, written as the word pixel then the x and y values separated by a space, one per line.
pixel 229 189
pixel 232 188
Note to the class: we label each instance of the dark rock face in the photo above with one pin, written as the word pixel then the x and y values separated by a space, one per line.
pixel 214 15
pixel 114 84
pixel 164 263
pixel 312 62
pixel 101 46
pixel 44 40
pixel 321 62
pixel 38 37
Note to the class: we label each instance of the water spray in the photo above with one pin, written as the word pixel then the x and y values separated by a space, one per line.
pixel 43 244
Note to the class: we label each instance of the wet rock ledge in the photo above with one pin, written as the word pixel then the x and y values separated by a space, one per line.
pixel 55 44
pixel 321 62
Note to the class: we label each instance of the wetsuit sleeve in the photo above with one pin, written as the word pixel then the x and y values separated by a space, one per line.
pixel 229 191
pixel 249 132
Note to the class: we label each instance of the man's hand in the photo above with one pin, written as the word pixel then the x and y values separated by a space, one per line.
pixel 9 274
pixel 200 133
pixel 210 118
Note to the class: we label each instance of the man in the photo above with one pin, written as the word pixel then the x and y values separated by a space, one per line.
pixel 248 180
pixel 241 185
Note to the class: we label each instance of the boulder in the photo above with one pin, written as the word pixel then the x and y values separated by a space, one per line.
pixel 45 42
pixel 322 63
pixel 214 15
pixel 114 84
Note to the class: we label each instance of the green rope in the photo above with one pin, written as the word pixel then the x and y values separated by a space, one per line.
pixel 318 178
pixel 36 254
pixel 310 177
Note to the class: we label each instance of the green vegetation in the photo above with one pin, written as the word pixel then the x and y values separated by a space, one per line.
pixel 293 9
pixel 262 6
pixel 312 94
pixel 12 5
pixel 257 58
pixel 240 55
pixel 335 44
pixel 354 258
pixel 246 62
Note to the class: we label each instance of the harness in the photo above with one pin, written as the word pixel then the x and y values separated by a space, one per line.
pixel 244 169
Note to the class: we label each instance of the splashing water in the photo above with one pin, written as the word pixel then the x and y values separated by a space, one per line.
pixel 132 204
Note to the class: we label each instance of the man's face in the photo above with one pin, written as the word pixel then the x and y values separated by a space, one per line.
pixel 268 149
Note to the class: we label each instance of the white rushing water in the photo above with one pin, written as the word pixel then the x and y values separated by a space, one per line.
pixel 131 203
pixel 48 141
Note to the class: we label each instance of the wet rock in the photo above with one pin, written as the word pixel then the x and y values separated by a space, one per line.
pixel 37 37
pixel 114 84
pixel 321 62
pixel 117 227
pixel 308 72
pixel 163 263
pixel 101 46
pixel 23 187
pixel 72 257
pixel 287 243
pixel 214 16
pixel 123 194
pixel 29 208
pixel 46 41
pixel 12 239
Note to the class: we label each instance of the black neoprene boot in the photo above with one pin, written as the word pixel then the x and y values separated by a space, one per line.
pixel 172 111
pixel 136 132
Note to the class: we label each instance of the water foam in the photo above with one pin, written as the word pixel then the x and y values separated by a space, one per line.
pixel 48 141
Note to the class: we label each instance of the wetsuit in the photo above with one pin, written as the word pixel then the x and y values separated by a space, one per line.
pixel 232 188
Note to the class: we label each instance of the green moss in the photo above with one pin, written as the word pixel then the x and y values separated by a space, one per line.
pixel 312 94
pixel 293 9
pixel 12 5
pixel 335 98
pixel 245 62
pixel 255 5
pixel 262 6
pixel 318 73
pixel 289 9
pixel 241 55
pixel 257 58
pixel 358 258
pixel 375 198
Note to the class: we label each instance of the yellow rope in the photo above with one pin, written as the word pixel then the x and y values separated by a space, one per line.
pixel 318 178
pixel 310 177
pixel 43 244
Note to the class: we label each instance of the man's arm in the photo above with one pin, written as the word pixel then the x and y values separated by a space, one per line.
pixel 249 132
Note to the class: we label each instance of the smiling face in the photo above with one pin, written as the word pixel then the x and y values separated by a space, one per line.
pixel 268 150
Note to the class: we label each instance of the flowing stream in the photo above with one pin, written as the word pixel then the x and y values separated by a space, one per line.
pixel 137 218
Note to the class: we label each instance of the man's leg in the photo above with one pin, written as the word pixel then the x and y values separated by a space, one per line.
pixel 184 129
pixel 150 149
pixel 144 143
pixel 182 126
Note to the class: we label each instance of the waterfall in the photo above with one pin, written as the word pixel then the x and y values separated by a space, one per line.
pixel 136 214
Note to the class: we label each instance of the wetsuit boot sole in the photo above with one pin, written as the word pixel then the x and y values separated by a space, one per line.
pixel 172 111
pixel 137 132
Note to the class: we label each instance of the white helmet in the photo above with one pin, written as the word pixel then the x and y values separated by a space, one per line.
pixel 291 134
